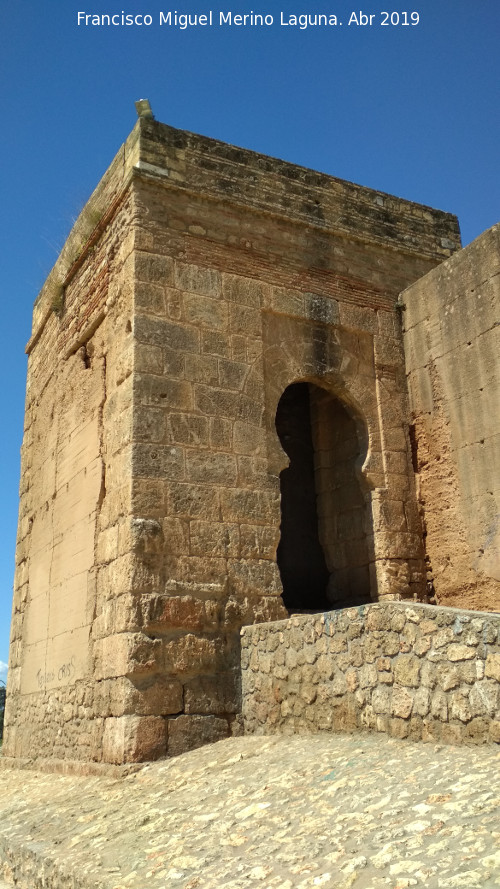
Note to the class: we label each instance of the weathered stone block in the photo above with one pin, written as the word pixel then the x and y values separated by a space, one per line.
pixel 390 644
pixel 150 298
pixel 407 670
pixel 250 577
pixel 245 320
pixel 193 655
pixel 150 425
pixel 368 676
pixel 467 670
pixel 338 683
pixel 338 643
pixel 192 501
pixel 249 439
pixel 196 279
pixel 373 646
pixel 212 694
pixel 422 701
pixel 150 696
pixel 258 542
pixel 477 729
pixel 156 332
pixel 381 702
pixel 399 728
pixel 214 539
pixel 215 343
pixel 221 433
pixel 125 654
pixel 458 652
pixel 421 646
pixel 211 468
pixel 133 738
pixel 188 429
pixel 162 614
pixel 154 268
pixel 199 310
pixel 244 291
pixel 401 702
pixel 494 731
pixel 308 693
pixel 188 732
pixel 448 678
pixel 484 698
pixel 378 618
pixel 492 666
pixel 439 706
pixel 428 626
pixel 158 461
pixel 460 708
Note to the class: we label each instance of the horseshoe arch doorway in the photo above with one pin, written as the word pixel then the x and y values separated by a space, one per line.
pixel 323 553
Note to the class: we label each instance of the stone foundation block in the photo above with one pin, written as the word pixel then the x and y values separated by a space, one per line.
pixel 125 654
pixel 212 694
pixel 133 739
pixel 188 732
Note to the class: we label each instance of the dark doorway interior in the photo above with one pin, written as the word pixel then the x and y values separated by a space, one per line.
pixel 301 559
pixel 323 551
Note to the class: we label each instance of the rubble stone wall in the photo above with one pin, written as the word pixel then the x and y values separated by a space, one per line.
pixel 452 344
pixel 412 671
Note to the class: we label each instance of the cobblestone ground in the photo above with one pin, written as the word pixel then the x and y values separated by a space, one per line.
pixel 333 811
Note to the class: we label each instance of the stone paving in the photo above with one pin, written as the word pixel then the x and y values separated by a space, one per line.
pixel 281 812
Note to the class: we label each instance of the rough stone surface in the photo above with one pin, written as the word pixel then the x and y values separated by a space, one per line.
pixel 452 344
pixel 278 813
pixel 378 679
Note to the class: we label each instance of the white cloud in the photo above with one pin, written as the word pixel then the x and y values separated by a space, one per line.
pixel 3 670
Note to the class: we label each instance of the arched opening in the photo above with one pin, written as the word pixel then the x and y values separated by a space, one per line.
pixel 323 554
pixel 301 559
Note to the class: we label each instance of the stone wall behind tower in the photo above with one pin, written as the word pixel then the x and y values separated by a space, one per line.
pixel 452 344
pixel 212 279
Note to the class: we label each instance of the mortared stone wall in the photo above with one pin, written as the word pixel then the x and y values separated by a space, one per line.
pixel 409 670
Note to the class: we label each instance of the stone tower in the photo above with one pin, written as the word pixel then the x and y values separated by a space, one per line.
pixel 216 434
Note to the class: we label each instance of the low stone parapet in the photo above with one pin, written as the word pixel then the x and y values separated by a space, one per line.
pixel 410 670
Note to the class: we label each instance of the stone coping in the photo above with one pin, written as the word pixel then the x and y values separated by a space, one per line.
pixel 360 609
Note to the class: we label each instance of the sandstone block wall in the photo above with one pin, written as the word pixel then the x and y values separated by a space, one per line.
pixel 412 671
pixel 452 344
pixel 200 283
pixel 74 485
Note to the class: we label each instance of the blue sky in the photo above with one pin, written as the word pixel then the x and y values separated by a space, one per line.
pixel 411 110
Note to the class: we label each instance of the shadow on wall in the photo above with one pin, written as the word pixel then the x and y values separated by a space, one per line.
pixel 3 691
